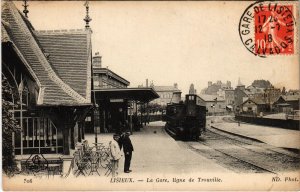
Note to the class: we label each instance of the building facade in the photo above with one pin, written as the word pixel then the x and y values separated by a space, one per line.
pixel 229 97
pixel 240 95
pixel 103 78
pixel 254 107
pixel 214 104
pixel 213 88
pixel 116 104
pixel 287 103
pixel 109 111
pixel 167 94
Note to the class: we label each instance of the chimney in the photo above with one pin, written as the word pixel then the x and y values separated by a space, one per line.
pixel 209 83
pixel 97 60
pixel 175 85
pixel 152 84
pixel 228 84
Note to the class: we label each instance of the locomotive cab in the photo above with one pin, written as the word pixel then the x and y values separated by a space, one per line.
pixel 186 120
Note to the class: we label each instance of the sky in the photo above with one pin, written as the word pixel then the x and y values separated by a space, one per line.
pixel 169 42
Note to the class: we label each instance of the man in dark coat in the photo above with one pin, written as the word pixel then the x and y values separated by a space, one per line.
pixel 127 148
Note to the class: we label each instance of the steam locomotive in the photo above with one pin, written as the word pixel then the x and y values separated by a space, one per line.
pixel 186 120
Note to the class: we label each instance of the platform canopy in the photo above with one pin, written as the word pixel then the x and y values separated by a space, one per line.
pixel 133 94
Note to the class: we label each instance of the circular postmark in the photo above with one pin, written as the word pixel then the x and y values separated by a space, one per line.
pixel 268 28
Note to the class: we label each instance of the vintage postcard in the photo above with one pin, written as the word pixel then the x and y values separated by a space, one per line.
pixel 150 95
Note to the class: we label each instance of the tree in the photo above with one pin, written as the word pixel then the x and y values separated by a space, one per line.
pixel 262 83
pixel 9 126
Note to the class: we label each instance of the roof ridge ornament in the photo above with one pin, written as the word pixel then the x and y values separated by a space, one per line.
pixel 87 18
pixel 25 11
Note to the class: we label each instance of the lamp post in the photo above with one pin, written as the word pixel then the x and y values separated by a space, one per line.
pixel 95 127
pixel 20 90
pixel 130 115
pixel 213 106
pixel 216 99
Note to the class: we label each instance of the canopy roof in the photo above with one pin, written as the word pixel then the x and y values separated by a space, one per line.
pixel 136 94
pixel 283 105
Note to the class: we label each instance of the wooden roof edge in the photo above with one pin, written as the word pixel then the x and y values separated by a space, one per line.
pixel 66 105
pixel 42 59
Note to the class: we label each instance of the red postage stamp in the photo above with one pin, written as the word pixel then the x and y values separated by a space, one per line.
pixel 268 28
pixel 274 29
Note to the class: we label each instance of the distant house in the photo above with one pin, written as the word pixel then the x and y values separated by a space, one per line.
pixel 214 103
pixel 258 94
pixel 287 103
pixel 240 94
pixel 252 91
pixel 213 88
pixel 229 97
pixel 253 106
pixel 269 95
pixel 167 94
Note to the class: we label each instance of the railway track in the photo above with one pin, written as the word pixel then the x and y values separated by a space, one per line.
pixel 254 142
pixel 244 155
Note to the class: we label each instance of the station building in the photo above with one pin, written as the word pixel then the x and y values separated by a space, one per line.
pixel 49 73
pixel 57 93
pixel 116 103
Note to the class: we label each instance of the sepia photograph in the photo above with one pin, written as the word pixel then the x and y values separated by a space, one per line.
pixel 150 95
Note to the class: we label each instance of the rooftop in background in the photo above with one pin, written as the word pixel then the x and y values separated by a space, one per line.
pixel 111 74
pixel 256 101
pixel 213 88
pixel 209 98
pixel 291 97
pixel 105 72
pixel 166 88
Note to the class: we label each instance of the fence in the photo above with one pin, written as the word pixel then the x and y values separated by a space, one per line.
pixel 281 123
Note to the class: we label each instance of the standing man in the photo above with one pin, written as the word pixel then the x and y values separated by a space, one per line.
pixel 127 148
pixel 115 154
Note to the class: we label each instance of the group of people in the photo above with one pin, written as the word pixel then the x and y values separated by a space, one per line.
pixel 121 141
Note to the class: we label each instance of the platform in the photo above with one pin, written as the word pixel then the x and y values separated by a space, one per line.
pixel 277 137
pixel 155 152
